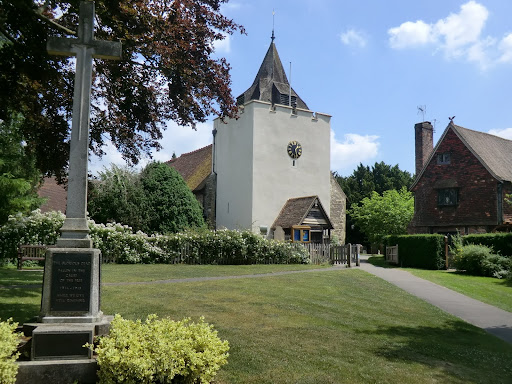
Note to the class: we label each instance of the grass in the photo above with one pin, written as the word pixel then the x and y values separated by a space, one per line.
pixel 330 326
pixel 497 292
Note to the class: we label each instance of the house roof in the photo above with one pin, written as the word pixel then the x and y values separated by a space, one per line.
pixel 295 212
pixel 270 80
pixel 194 166
pixel 495 153
pixel 55 194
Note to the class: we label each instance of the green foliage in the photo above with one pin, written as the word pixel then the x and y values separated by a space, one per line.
pixel 365 180
pixel 500 242
pixel 8 354
pixel 118 243
pixel 160 351
pixel 35 228
pixel 388 214
pixel 118 197
pixel 155 201
pixel 479 260
pixel 419 251
pixel 19 177
pixel 171 206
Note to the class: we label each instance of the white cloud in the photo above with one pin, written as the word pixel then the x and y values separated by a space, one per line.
pixel 411 34
pixel 354 149
pixel 505 133
pixel 223 46
pixel 175 139
pixel 353 37
pixel 459 35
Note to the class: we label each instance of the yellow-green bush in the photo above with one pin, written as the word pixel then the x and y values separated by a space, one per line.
pixel 160 351
pixel 8 355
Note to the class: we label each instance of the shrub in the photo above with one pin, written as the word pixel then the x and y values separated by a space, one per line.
pixel 160 351
pixel 500 242
pixel 8 355
pixel 419 251
pixel 35 228
pixel 480 260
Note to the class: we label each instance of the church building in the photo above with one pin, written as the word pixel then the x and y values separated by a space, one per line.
pixel 268 170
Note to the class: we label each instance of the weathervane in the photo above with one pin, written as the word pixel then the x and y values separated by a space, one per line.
pixel 423 110
pixel 451 119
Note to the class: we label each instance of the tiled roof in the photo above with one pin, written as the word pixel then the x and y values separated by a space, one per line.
pixel 56 195
pixel 295 211
pixel 271 81
pixel 494 152
pixel 194 166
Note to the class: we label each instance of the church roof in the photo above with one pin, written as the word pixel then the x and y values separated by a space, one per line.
pixel 494 152
pixel 306 210
pixel 271 83
pixel 194 166
pixel 55 194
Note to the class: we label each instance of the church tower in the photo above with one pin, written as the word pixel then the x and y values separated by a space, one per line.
pixel 272 164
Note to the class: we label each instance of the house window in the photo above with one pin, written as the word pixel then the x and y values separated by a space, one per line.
pixel 447 197
pixel 301 234
pixel 443 158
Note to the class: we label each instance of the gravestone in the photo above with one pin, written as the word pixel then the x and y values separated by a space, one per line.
pixel 70 306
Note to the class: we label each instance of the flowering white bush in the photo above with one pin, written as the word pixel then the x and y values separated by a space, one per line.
pixel 118 243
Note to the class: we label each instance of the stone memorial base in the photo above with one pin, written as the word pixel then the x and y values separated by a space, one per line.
pixel 70 317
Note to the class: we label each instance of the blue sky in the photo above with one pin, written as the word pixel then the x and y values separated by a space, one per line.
pixel 370 64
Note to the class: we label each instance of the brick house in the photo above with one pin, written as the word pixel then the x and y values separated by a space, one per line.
pixel 462 183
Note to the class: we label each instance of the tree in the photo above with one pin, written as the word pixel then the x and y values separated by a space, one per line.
pixel 168 72
pixel 363 182
pixel 386 214
pixel 171 205
pixel 118 197
pixel 19 177
pixel 157 200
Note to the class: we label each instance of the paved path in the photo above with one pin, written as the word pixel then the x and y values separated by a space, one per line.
pixel 494 320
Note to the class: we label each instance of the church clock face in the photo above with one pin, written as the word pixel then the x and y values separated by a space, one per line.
pixel 294 149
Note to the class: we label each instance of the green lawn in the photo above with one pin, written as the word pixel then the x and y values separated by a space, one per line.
pixel 330 326
pixel 486 289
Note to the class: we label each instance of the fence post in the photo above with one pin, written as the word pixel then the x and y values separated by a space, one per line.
pixel 446 251
pixel 349 254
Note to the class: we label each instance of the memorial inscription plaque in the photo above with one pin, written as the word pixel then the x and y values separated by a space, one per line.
pixel 70 282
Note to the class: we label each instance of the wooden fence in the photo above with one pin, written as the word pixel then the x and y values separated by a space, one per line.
pixel 334 254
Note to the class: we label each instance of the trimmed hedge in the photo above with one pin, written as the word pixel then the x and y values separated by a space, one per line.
pixel 500 243
pixel 419 251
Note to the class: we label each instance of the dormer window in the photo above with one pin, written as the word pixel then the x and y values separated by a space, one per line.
pixel 284 99
pixel 443 158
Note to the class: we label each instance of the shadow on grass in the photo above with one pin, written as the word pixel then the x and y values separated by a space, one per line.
pixel 11 276
pixel 20 311
pixel 379 261
pixel 458 349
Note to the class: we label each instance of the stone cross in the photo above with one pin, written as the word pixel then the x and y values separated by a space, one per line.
pixel 74 232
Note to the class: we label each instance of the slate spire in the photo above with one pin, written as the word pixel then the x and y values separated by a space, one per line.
pixel 271 83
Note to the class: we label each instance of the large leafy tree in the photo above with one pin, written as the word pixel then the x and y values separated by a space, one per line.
pixel 19 178
pixel 363 182
pixel 171 206
pixel 157 200
pixel 168 72
pixel 386 214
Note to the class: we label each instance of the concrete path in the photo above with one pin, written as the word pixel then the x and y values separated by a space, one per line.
pixel 494 320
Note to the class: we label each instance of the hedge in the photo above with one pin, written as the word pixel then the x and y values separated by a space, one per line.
pixel 118 243
pixel 499 242
pixel 419 251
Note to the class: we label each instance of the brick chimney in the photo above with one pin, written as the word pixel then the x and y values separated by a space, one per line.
pixel 423 143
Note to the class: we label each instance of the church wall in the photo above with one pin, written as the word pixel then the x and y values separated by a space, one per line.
pixel 233 165
pixel 275 178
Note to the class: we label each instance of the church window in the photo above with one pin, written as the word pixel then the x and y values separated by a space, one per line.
pixel 284 99
pixel 447 197
pixel 443 158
